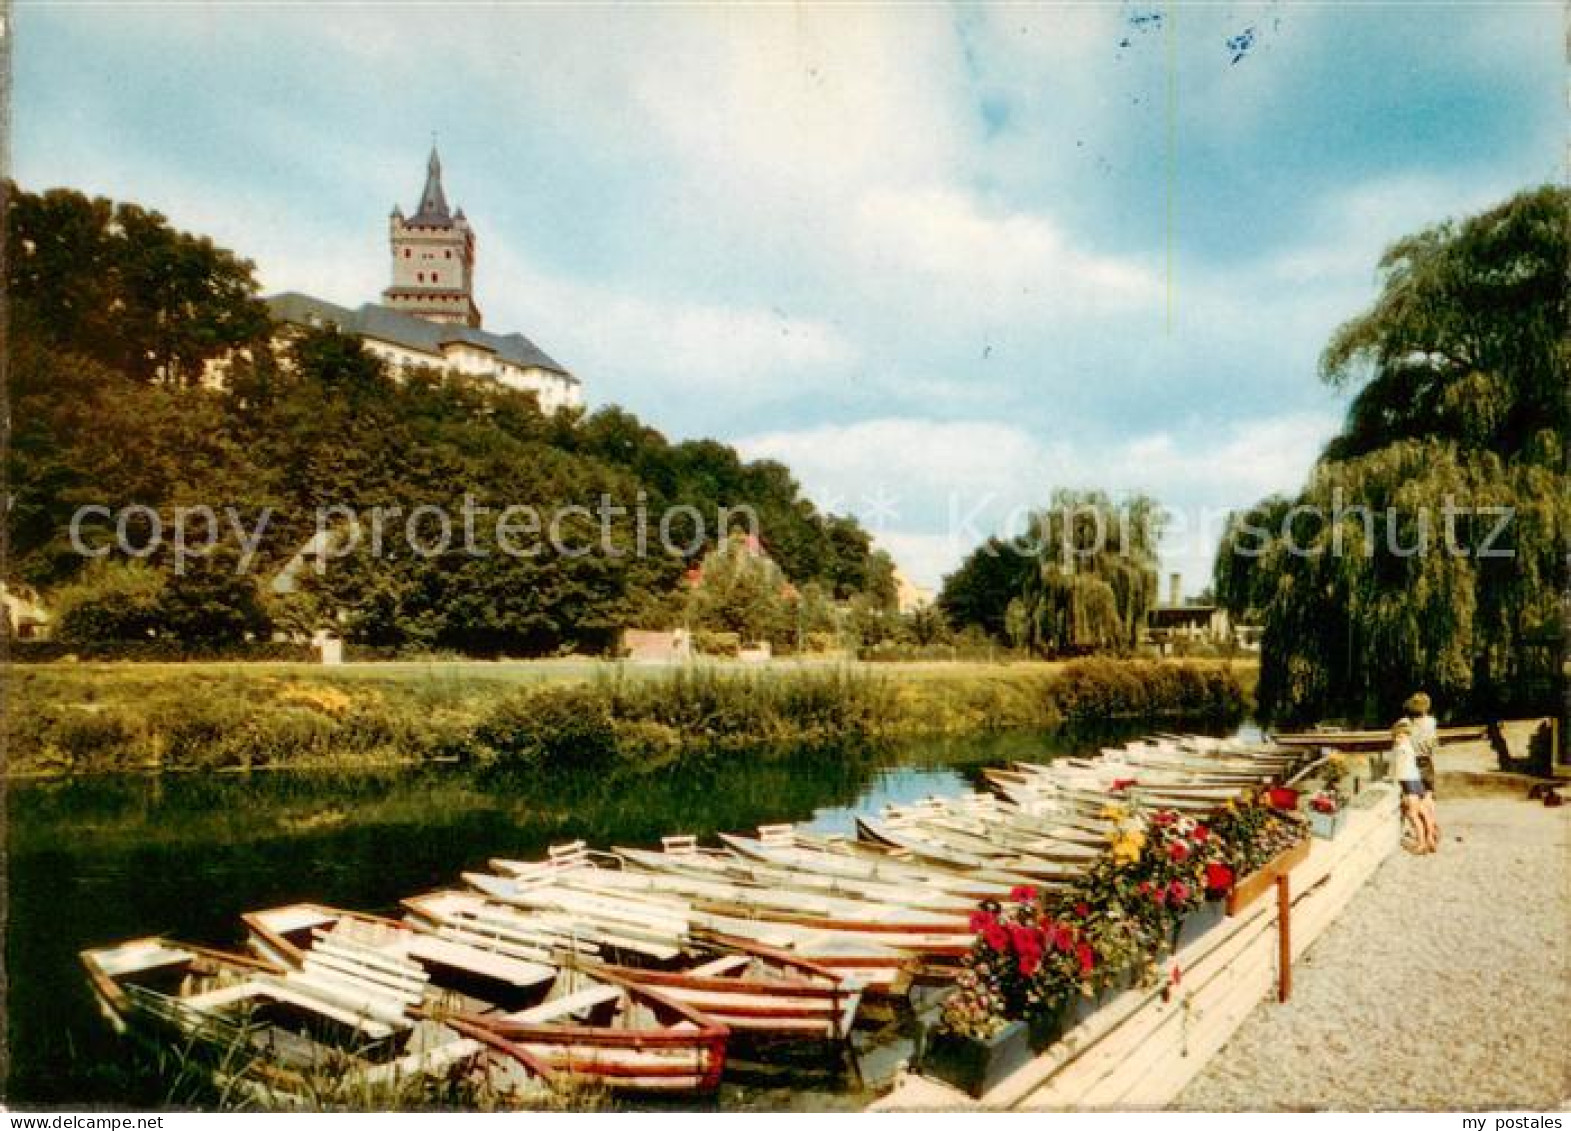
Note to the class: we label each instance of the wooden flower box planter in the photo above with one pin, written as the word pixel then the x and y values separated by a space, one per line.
pixel 1326 825
pixel 976 1066
pixel 1198 922
pixel 1247 890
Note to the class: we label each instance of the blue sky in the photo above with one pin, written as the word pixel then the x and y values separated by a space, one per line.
pixel 938 260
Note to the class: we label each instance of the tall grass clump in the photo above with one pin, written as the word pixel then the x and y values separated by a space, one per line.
pixel 105 718
pixel 691 711
pixel 1097 688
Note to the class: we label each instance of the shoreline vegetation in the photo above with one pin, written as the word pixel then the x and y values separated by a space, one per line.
pixel 73 720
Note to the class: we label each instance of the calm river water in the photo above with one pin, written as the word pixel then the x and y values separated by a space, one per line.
pixel 99 860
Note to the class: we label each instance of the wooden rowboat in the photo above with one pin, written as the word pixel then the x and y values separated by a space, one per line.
pixel 629 1038
pixel 282 1037
pixel 460 976
pixel 1366 740
pixel 759 992
pixel 625 1036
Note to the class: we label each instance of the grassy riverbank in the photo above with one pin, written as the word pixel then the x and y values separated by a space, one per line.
pixel 92 718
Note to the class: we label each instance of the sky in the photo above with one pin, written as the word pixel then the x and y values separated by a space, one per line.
pixel 940 261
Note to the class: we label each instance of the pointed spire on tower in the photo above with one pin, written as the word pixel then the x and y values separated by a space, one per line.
pixel 433 203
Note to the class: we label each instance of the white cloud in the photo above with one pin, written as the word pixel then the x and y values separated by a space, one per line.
pixel 944 249
pixel 932 490
pixel 610 335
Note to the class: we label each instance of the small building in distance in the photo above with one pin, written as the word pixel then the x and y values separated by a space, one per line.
pixel 428 317
pixel 1173 625
pixel 909 596
pixel 25 616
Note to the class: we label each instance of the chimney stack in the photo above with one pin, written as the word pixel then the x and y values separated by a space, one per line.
pixel 1175 589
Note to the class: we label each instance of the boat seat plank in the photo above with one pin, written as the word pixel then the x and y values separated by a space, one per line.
pixel 134 957
pixel 489 963
pixel 330 966
pixel 339 1001
pixel 366 955
pixel 580 1002
pixel 303 992
pixel 722 966
pixel 223 996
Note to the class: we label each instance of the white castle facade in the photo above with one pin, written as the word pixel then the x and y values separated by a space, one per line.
pixel 428 316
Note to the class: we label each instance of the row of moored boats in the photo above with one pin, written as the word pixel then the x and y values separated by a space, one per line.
pixel 643 970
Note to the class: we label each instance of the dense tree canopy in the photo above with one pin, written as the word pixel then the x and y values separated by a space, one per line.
pixel 114 282
pixel 1428 548
pixel 116 315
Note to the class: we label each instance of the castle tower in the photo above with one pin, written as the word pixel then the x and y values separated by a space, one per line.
pixel 433 258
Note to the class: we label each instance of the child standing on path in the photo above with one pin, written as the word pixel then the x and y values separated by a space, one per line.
pixel 1420 829
pixel 1426 744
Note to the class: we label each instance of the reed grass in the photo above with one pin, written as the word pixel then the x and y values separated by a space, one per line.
pixel 74 719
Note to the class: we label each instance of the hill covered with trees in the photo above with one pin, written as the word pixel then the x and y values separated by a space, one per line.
pixel 119 326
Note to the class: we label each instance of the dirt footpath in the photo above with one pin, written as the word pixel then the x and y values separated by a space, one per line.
pixel 1446 984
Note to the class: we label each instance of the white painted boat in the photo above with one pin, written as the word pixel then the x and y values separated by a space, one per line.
pixel 625 1037
pixel 287 1037
pixel 458 975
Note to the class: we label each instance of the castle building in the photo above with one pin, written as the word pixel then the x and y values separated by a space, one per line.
pixel 428 317
pixel 433 258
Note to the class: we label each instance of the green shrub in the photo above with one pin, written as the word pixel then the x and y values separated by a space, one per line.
pixel 551 726
pixel 710 643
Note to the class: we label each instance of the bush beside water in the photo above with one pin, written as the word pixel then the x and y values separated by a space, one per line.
pixel 101 718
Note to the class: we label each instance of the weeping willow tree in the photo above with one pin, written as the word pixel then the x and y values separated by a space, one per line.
pixel 1093 577
pixel 1429 547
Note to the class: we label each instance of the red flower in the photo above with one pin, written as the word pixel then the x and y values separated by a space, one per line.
pixel 1023 939
pixel 1082 909
pixel 1177 975
pixel 1029 964
pixel 1023 894
pixel 981 920
pixel 996 937
pixel 1162 817
pixel 1219 877
pixel 1063 940
pixel 1087 958
pixel 1178 850
pixel 1200 834
pixel 1160 895
pixel 1179 891
pixel 1144 887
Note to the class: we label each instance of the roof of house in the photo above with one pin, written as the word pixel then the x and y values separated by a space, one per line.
pixel 409 331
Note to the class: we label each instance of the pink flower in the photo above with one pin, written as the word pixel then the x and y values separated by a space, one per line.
pixel 1179 891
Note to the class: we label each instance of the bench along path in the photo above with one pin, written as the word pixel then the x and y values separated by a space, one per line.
pixel 1446 983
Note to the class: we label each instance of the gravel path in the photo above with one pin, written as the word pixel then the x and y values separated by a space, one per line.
pixel 1445 985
